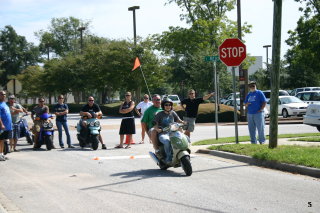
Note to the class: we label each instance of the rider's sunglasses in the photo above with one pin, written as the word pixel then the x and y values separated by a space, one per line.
pixel 90 100
pixel 41 101
pixel 158 99
pixel 167 105
pixel 251 85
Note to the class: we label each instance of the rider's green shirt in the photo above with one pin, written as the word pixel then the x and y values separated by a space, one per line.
pixel 149 116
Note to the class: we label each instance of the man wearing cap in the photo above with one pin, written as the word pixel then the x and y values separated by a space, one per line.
pixel 255 103
pixel 15 110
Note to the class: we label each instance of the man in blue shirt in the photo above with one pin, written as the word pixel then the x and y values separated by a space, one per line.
pixel 5 123
pixel 255 102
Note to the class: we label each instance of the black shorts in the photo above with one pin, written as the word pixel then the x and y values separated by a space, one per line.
pixel 127 127
pixel 5 135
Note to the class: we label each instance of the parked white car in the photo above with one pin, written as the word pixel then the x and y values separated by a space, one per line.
pixel 302 89
pixel 309 97
pixel 231 103
pixel 312 116
pixel 175 99
pixel 290 106
pixel 267 93
pixel 229 97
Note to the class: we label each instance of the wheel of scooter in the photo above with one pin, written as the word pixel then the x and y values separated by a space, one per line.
pixel 82 142
pixel 186 165
pixel 29 139
pixel 6 147
pixel 48 141
pixel 95 142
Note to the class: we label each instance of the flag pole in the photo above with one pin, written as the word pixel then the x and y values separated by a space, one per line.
pixel 145 81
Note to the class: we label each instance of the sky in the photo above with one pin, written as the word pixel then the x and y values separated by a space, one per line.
pixel 111 18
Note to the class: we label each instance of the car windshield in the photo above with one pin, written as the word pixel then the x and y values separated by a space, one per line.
pixel 289 100
pixel 173 97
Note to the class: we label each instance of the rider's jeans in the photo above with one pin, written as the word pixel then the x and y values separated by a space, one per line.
pixel 63 124
pixel 165 140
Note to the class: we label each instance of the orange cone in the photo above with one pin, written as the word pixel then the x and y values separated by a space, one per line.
pixel 127 140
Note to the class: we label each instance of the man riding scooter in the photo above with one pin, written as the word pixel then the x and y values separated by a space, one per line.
pixel 164 119
pixel 38 111
pixel 89 110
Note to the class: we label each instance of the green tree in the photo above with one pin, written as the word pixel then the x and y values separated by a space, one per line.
pixel 303 57
pixel 15 53
pixel 62 36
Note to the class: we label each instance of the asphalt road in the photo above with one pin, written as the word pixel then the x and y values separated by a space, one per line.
pixel 127 180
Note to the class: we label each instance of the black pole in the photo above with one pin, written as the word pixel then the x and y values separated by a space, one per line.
pixel 133 9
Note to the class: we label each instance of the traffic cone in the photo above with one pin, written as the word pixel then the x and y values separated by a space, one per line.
pixel 127 140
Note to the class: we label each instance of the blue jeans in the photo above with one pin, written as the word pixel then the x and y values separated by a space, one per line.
pixel 256 122
pixel 63 124
pixel 165 140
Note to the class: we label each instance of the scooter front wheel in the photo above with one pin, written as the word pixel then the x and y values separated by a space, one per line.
pixel 29 139
pixel 48 141
pixel 95 142
pixel 186 165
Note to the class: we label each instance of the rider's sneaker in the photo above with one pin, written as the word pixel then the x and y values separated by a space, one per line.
pixel 70 146
pixel 104 146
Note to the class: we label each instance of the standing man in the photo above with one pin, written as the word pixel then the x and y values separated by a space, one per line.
pixel 5 123
pixel 255 103
pixel 15 110
pixel 191 107
pixel 143 106
pixel 38 111
pixel 90 109
pixel 61 110
pixel 148 120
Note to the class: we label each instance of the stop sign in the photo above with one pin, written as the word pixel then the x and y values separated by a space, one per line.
pixel 232 52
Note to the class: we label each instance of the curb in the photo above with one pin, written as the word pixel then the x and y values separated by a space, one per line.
pixel 303 170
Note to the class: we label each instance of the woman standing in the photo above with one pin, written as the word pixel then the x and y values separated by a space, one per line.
pixel 127 124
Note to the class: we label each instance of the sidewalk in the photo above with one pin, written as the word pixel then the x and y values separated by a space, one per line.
pixel 296 169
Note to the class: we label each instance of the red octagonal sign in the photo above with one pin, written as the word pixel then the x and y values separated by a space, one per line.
pixel 232 52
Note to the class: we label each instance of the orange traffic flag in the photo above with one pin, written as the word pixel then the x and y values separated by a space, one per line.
pixel 136 64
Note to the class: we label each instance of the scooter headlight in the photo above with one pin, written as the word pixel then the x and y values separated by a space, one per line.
pixel 91 124
pixel 97 123
pixel 174 127
pixel 45 124
pixel 50 125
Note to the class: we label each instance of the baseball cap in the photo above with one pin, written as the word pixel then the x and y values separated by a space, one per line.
pixel 252 82
pixel 12 97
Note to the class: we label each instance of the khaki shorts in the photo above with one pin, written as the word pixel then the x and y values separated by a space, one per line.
pixel 191 123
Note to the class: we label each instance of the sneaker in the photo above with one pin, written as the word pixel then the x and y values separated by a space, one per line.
pixel 2 158
pixel 16 150
pixel 104 146
pixel 70 146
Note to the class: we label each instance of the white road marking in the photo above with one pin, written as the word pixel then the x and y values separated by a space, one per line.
pixel 126 157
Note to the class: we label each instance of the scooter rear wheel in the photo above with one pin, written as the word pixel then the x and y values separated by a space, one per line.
pixel 186 165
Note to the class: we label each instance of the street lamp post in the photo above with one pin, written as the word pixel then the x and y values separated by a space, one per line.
pixel 133 9
pixel 81 29
pixel 267 50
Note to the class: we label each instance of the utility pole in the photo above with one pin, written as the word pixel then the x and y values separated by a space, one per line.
pixel 275 79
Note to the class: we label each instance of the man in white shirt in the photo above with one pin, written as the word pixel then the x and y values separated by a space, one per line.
pixel 142 106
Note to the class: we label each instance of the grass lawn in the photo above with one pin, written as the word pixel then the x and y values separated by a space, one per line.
pixel 247 138
pixel 299 155
pixel 309 139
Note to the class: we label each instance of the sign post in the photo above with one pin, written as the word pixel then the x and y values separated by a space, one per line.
pixel 215 58
pixel 232 52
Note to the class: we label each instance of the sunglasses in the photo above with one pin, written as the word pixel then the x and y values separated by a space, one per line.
pixel 61 98
pixel 252 85
pixel 158 99
pixel 128 95
pixel 90 100
pixel 145 98
pixel 41 101
pixel 191 93
pixel 167 105
pixel 2 94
